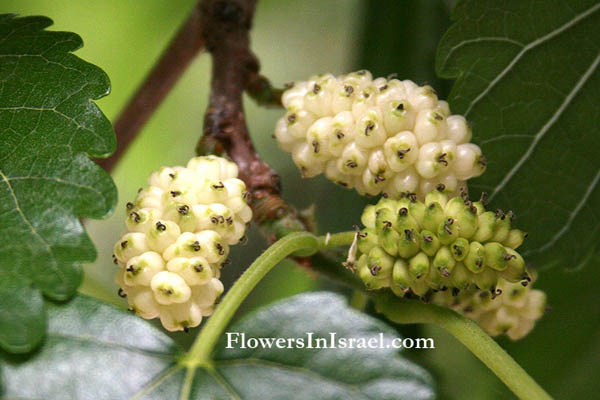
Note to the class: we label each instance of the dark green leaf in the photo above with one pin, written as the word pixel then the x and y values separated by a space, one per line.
pixel 91 351
pixel 94 351
pixel 400 37
pixel 527 78
pixel 318 373
pixel 49 128
pixel 28 326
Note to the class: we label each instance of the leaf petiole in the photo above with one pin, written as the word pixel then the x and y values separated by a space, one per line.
pixel 469 334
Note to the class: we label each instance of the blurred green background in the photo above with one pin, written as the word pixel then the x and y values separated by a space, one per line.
pixel 295 39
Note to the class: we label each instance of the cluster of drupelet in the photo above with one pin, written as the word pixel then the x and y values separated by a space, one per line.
pixel 377 135
pixel 451 246
pixel 514 313
pixel 179 232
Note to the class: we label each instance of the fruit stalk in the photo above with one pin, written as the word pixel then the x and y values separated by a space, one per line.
pixel 469 334
pixel 200 353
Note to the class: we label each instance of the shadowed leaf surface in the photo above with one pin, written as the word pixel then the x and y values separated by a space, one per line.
pixel 527 79
pixel 91 351
pixel 94 351
pixel 400 37
pixel 49 129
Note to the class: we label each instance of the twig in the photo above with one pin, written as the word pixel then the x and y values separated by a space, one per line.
pixel 220 26
pixel 184 47
pixel 234 67
pixel 261 91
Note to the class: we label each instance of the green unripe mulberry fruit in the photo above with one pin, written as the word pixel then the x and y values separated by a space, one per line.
pixel 422 247
pixel 447 231
pixel 430 243
pixel 367 240
pixel 373 274
pixel 486 224
pixel 515 267
pixel 460 277
pixel 475 258
pixel 444 262
pixel 390 239
pixel 384 218
pixel 495 256
pixel 515 238
pixel 405 221
pixel 418 266
pixel 502 227
pixel 460 249
pixel 400 275
pixel 409 244
pixel 433 216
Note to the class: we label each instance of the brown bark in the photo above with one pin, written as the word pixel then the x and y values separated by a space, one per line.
pixel 234 67
pixel 222 28
pixel 173 62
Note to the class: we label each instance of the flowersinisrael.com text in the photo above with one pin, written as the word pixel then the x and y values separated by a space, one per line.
pixel 333 341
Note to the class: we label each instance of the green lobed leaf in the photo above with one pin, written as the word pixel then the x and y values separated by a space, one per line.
pixel 94 351
pixel 49 129
pixel 527 79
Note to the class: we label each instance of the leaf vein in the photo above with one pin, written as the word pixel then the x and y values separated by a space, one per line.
pixel 58 180
pixel 225 384
pixel 528 47
pixel 572 216
pixel 116 345
pixel 503 137
pixel 33 230
pixel 542 132
pixel 481 39
pixel 70 119
pixel 154 383
pixel 296 369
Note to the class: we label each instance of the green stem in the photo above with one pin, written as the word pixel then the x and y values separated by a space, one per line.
pixel 403 312
pixel 208 337
pixel 471 335
pixel 359 300
pixel 335 240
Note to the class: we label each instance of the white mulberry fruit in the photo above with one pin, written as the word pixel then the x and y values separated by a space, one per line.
pixel 179 232
pixel 377 135
pixel 514 313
